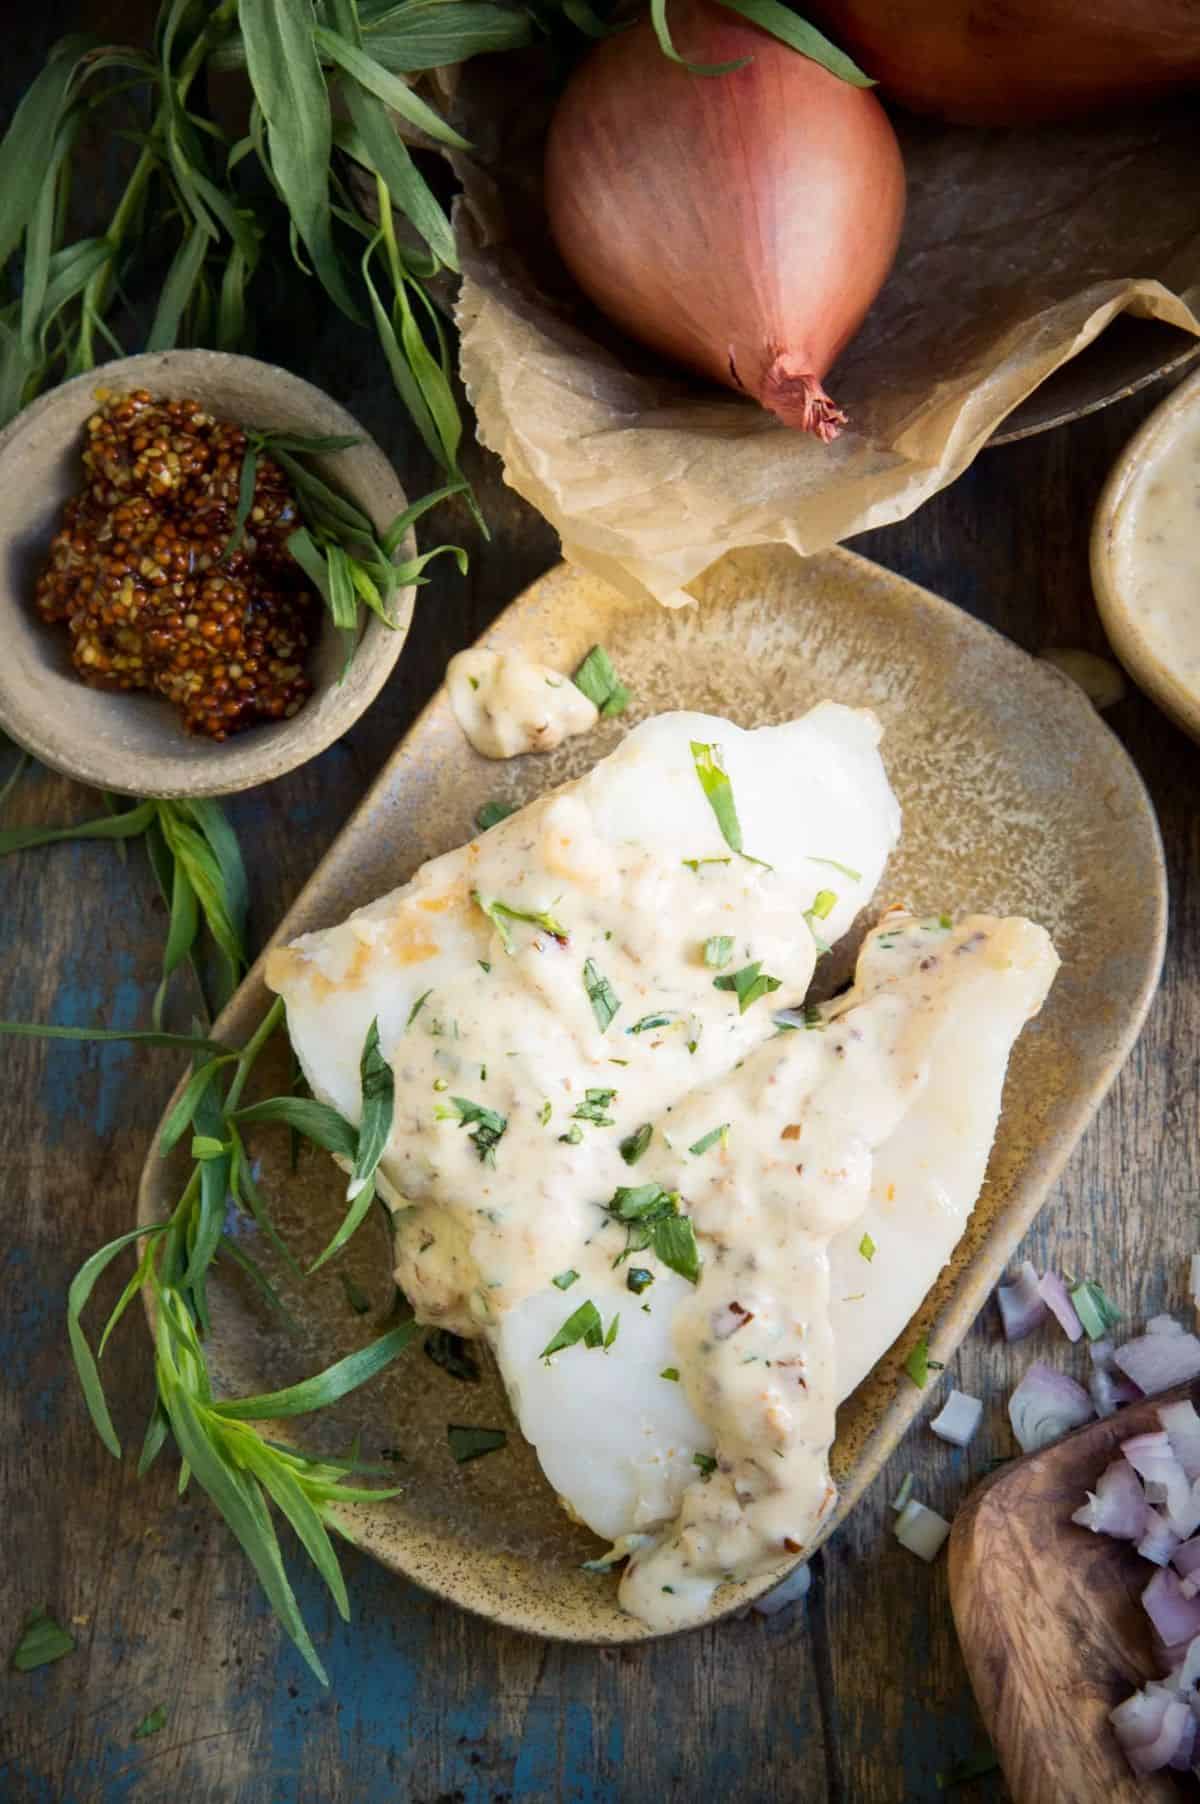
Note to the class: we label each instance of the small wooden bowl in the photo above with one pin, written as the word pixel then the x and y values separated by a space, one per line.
pixel 134 743
pixel 1141 658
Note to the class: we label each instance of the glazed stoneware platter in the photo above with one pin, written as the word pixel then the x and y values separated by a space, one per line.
pixel 1016 798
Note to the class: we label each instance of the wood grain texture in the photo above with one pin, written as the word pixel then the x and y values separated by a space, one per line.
pixel 1050 1620
pixel 862 1697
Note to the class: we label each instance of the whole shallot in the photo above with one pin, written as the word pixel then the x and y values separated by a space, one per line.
pixel 740 223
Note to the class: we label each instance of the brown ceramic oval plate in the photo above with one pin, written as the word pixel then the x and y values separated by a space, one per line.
pixel 1017 799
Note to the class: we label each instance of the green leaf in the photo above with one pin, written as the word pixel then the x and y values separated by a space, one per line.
pixel 408 386
pixel 799 35
pixel 28 144
pixel 151 1723
pixel 718 950
pixel 605 1002
pixel 302 547
pixel 707 1141
pixel 487 1127
pixel 648 1023
pixel 389 88
pixel 396 533
pixel 189 846
pixel 501 913
pixel 917 1364
pixel 82 1286
pixel 599 681
pixel 564 1280
pixel 634 1145
pixel 288 1496
pixel 246 486
pixel 177 290
pixel 42 1641
pixel 240 1502
pixel 658 17
pixel 378 1104
pixel 674 1241
pixel 468 1442
pixel 107 826
pixel 325 1387
pixel 289 86
pixel 315 1120
pixel 835 865
pixel 38 1030
pixel 583 1325
pixel 377 145
pixel 182 929
pixel 411 38
pixel 747 984
pixel 716 785
pixel 353 1219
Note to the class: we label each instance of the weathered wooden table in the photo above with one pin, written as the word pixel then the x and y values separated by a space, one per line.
pixel 860 1695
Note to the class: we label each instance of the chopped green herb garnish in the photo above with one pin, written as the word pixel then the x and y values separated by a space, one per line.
pixel 715 783
pixel 670 1373
pixel 866 1247
pixel 634 1145
pixel 487 1127
pixel 693 864
pixel 501 913
pixel 42 1641
pixel 564 1280
pixel 584 1325
pixel 601 684
pixel 835 865
pixel 492 813
pixel 151 1723
pixel 452 1355
pixel 823 904
pixel 483 964
pixel 651 1219
pixel 544 1114
pixel 573 1135
pixel 709 1140
pixel 611 1336
pixel 603 998
pixel 468 1442
pixel 593 1106
pixel 918 1365
pixel 638 1279
pixel 747 984
pixel 706 1462
pixel 416 1008
pixel 647 1022
pixel 1094 1309
pixel 718 951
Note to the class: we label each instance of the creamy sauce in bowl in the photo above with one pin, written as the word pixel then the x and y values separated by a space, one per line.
pixel 507 704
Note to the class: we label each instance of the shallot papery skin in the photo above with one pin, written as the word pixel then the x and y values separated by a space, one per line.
pixel 741 223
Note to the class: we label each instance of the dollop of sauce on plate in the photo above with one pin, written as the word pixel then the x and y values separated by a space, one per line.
pixel 507 703
pixel 1157 551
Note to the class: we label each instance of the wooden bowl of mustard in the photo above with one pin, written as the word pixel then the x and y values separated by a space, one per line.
pixel 129 740
pixel 1146 557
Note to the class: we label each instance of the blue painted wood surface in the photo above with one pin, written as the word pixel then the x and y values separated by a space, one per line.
pixel 857 1697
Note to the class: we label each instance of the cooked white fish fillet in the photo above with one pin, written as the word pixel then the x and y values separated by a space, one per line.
pixel 578 1008
pixel 927 1176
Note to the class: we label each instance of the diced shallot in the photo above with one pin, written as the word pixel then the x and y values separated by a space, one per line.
pixel 1046 1405
pixel 1157 1361
pixel 1022 1307
pixel 1176 1618
pixel 1151 1734
pixel 1053 1293
pixel 1159 1541
pixel 921 1529
pixel 1166 1482
pixel 960 1416
pixel 1100 1352
pixel 1117 1506
pixel 789 1591
pixel 1186 1558
pixel 1110 1392
pixel 1183 1429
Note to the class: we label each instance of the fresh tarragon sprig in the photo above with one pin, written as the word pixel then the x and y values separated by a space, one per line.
pixel 217 1438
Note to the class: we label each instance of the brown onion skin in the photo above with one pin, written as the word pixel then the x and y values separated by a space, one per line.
pixel 1019 62
pixel 740 224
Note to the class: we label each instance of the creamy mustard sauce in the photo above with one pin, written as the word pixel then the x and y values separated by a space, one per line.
pixel 1158 552
pixel 507 704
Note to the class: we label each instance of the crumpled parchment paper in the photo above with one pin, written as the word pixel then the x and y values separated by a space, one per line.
pixel 1019 248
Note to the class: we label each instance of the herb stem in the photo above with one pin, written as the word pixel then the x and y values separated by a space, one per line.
pixel 250 1052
